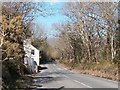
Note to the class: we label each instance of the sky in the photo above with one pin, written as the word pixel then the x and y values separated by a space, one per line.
pixel 54 9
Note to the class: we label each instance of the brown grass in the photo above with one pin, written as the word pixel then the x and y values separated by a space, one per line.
pixel 104 69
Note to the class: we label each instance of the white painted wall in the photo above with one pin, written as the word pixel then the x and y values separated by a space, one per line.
pixel 27 47
pixel 36 54
pixel 29 57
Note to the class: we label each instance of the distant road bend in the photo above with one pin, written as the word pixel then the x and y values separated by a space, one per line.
pixel 56 76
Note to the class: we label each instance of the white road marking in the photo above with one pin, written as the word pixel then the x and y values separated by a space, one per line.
pixel 54 65
pixel 65 68
pixel 79 82
pixel 83 84
pixel 100 78
pixel 65 76
pixel 108 80
pixel 54 68
pixel 50 71
pixel 59 68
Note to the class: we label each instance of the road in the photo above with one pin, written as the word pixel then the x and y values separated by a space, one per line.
pixel 56 76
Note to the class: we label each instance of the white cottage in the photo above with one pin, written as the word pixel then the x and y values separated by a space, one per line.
pixel 31 59
pixel 35 54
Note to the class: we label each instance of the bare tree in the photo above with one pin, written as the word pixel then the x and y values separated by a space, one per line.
pixel 91 30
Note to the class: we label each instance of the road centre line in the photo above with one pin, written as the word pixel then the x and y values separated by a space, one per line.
pixel 83 84
pixel 93 76
pixel 54 67
pixel 79 82
pixel 57 68
pixel 65 76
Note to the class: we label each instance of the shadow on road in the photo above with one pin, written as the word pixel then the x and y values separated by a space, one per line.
pixel 45 79
pixel 36 82
pixel 48 62
pixel 42 68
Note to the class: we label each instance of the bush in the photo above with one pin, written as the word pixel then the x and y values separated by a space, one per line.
pixel 10 73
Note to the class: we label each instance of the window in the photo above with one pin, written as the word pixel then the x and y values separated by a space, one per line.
pixel 33 52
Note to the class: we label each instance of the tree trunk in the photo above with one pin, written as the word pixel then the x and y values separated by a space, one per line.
pixel 108 47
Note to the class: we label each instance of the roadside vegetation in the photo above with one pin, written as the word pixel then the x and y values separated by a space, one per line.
pixel 89 41
pixel 15 24
pixel 103 69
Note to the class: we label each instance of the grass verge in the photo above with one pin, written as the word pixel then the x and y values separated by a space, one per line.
pixel 104 69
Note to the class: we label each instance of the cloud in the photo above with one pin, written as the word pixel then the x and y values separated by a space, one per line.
pixel 53 1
